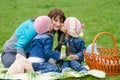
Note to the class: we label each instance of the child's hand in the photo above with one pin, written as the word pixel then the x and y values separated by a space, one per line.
pixel 63 56
pixel 73 57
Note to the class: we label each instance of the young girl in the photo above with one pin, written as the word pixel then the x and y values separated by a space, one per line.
pixel 19 42
pixel 75 45
pixel 41 51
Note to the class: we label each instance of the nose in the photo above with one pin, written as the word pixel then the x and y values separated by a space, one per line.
pixel 58 23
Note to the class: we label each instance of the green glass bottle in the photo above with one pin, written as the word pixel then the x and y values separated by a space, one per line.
pixel 63 49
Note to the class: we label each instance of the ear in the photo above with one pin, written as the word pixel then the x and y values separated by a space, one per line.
pixel 82 25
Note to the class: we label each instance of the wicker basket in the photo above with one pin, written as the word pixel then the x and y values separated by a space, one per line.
pixel 102 61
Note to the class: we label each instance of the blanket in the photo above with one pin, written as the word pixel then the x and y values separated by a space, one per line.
pixel 38 76
pixel 47 76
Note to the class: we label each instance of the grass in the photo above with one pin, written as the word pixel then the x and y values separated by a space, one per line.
pixel 97 15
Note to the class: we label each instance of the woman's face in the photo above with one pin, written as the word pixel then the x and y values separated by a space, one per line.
pixel 57 24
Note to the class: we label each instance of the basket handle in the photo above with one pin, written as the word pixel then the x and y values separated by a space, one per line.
pixel 114 41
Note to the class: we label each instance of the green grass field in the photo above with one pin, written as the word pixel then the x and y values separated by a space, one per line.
pixel 97 15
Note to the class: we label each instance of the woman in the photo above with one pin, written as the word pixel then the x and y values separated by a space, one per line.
pixel 58 19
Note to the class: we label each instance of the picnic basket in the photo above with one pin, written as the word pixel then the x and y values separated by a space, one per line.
pixel 107 60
